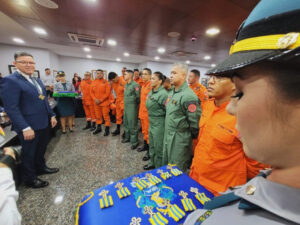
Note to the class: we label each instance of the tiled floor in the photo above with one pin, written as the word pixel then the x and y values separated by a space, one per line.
pixel 86 162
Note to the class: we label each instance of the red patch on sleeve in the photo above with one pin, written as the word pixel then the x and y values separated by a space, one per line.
pixel 136 88
pixel 192 108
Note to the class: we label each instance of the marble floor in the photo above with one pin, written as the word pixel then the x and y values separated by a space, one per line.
pixel 86 162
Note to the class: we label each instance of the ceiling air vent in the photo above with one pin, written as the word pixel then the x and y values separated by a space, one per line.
pixel 86 39
pixel 182 53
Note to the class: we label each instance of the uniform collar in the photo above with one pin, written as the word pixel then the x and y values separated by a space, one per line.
pixel 259 193
pixel 182 87
pixel 194 85
pixel 160 87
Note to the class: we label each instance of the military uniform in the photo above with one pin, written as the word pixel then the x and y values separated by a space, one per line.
pixel 258 202
pixel 181 126
pixel 131 106
pixel 156 113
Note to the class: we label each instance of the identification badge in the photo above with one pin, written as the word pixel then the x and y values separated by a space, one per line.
pixel 42 97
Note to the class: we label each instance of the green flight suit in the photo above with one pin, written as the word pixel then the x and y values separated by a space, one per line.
pixel 181 126
pixel 131 107
pixel 156 113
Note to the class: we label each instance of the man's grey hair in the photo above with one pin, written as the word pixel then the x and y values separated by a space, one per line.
pixel 182 66
pixel 19 54
pixel 88 72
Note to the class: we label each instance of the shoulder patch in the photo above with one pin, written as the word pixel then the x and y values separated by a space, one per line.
pixel 137 88
pixel 192 107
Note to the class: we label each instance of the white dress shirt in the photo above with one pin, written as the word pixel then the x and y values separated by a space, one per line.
pixel 9 214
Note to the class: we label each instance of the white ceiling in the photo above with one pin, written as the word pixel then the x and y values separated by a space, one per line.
pixel 9 28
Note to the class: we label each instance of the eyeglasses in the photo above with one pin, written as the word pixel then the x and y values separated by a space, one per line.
pixel 25 63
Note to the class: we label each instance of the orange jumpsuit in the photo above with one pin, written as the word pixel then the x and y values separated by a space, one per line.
pixel 119 90
pixel 219 160
pixel 101 90
pixel 87 101
pixel 112 105
pixel 143 113
pixel 139 81
pixel 201 92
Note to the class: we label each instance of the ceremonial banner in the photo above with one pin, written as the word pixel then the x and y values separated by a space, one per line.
pixel 146 198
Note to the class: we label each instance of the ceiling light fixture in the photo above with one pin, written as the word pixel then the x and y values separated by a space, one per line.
pixel 187 61
pixel 161 50
pixel 207 57
pixel 118 59
pixel 39 30
pixel 156 58
pixel 89 56
pixel 213 65
pixel 212 31
pixel 18 40
pixel 47 4
pixel 111 42
pixel 126 54
pixel 86 49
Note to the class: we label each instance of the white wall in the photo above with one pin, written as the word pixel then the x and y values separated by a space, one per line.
pixel 41 57
pixel 70 65
pixel 165 68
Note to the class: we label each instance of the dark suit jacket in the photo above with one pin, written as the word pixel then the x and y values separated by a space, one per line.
pixel 22 103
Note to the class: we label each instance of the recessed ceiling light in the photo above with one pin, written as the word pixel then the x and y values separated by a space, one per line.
pixel 188 62
pixel 86 49
pixel 89 56
pixel 207 57
pixel 161 50
pixel 173 34
pixel 118 59
pixel 47 4
pixel 39 30
pixel 212 31
pixel 126 54
pixel 18 40
pixel 111 42
pixel 213 65
pixel 156 58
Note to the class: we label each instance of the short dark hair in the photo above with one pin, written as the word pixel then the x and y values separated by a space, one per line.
pixel 148 70
pixel 136 70
pixel 160 76
pixel 129 71
pixel 112 75
pixel 19 54
pixel 99 70
pixel 47 69
pixel 196 72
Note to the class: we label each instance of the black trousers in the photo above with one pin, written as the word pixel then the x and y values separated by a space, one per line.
pixel 33 154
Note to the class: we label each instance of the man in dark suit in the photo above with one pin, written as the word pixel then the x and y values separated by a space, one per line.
pixel 25 102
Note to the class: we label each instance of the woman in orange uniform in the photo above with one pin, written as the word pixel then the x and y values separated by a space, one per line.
pixel 118 84
pixel 143 113
pixel 87 101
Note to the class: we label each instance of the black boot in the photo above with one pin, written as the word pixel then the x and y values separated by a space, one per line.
pixel 116 131
pixel 148 167
pixel 106 133
pixel 88 125
pixel 93 126
pixel 147 156
pixel 98 129
pixel 145 147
